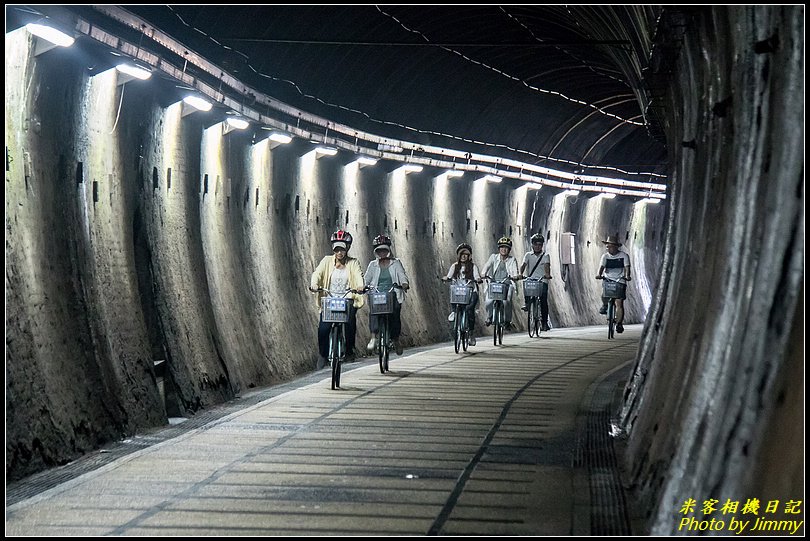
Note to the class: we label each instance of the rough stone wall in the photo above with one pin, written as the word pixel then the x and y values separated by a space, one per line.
pixel 724 325
pixel 178 243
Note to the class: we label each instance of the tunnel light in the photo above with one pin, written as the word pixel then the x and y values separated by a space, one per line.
pixel 409 168
pixel 566 193
pixel 278 138
pixel 651 200
pixel 322 151
pixel 131 71
pixel 196 104
pixel 454 173
pixel 237 123
pixel 607 195
pixel 491 178
pixel 366 161
pixel 533 186
pixel 51 35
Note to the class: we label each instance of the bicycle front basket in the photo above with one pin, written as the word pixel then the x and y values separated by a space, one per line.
pixel 335 309
pixel 498 291
pixel 533 288
pixel 613 290
pixel 460 294
pixel 381 302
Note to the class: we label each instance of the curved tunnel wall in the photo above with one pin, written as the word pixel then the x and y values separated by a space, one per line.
pixel 725 326
pixel 136 234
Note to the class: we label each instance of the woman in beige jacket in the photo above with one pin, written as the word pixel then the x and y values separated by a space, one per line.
pixel 337 273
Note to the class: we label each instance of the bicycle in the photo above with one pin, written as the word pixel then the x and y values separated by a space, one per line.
pixel 612 290
pixel 335 310
pixel 533 290
pixel 460 297
pixel 498 291
pixel 381 303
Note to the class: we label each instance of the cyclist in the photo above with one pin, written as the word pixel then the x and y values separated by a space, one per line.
pixel 614 264
pixel 539 263
pixel 384 271
pixel 465 269
pixel 500 266
pixel 337 273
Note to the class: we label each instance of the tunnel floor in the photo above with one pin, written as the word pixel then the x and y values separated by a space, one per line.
pixel 506 440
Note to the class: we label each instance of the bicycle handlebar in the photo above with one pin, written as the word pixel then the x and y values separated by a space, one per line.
pixel 330 293
pixel 609 279
pixel 504 281
pixel 374 288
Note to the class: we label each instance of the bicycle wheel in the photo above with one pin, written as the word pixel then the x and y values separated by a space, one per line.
pixel 384 346
pixel 537 324
pixel 497 316
pixel 611 312
pixel 531 318
pixel 334 355
pixel 457 328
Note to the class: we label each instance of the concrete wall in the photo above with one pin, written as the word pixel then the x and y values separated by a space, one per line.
pixel 715 407
pixel 176 243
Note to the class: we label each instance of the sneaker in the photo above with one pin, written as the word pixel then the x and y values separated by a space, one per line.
pixel 372 344
pixel 545 327
pixel 397 347
pixel 451 317
pixel 603 310
pixel 619 328
pixel 524 308
pixel 471 340
pixel 488 322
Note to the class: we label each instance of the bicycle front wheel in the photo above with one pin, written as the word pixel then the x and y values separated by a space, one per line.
pixel 537 323
pixel 611 313
pixel 531 317
pixel 383 347
pixel 336 353
pixel 458 328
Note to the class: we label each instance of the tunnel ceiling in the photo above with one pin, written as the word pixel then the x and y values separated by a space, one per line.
pixel 552 85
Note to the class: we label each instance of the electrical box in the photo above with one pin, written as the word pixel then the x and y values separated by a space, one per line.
pixel 567 256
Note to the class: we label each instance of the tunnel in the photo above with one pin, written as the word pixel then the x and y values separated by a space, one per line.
pixel 158 255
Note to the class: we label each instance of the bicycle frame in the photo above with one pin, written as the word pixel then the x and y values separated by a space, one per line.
pixel 611 306
pixel 337 342
pixel 384 331
pixel 498 312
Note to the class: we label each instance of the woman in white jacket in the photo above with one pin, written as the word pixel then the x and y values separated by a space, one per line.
pixel 384 271
pixel 501 266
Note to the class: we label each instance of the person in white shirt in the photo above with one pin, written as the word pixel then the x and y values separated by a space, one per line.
pixel 614 264
pixel 465 269
pixel 337 273
pixel 501 266
pixel 539 264
pixel 382 273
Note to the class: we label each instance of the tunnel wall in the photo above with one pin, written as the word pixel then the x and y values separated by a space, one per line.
pixel 714 408
pixel 137 234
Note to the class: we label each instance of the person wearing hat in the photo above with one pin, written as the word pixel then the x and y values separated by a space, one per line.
pixel 337 273
pixel 500 266
pixel 464 269
pixel 614 264
pixel 384 271
pixel 539 264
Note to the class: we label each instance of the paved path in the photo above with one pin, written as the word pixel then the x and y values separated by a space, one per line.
pixel 485 443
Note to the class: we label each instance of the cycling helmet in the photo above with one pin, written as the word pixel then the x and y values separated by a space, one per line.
pixel 537 237
pixel 341 238
pixel 381 240
pixel 463 246
pixel 505 241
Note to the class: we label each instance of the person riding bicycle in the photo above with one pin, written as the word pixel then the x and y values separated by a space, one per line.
pixel 465 269
pixel 502 266
pixel 539 264
pixel 384 271
pixel 615 264
pixel 337 273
